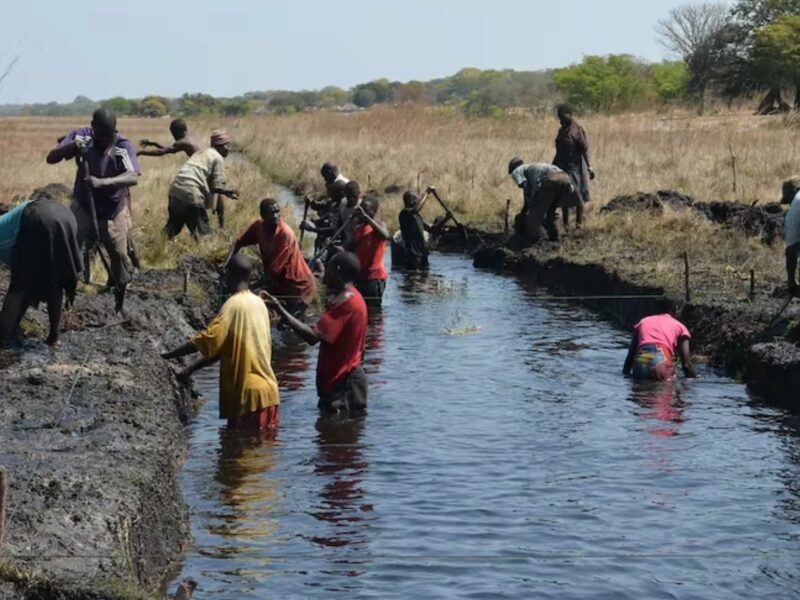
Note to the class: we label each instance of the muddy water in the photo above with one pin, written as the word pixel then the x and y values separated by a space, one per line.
pixel 503 457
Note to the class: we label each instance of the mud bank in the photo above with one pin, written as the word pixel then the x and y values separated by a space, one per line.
pixel 92 440
pixel 743 338
pixel 764 220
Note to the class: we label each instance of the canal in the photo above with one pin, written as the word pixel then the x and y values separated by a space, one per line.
pixel 503 456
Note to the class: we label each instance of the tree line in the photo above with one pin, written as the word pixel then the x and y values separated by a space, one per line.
pixel 749 50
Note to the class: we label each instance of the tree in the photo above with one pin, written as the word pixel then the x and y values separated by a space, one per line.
pixel 697 34
pixel 153 106
pixel 118 104
pixel 670 80
pixel 776 54
pixel 742 71
pixel 236 107
pixel 192 105
pixel 364 97
pixel 605 83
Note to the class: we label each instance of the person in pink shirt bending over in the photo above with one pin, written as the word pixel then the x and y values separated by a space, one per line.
pixel 656 340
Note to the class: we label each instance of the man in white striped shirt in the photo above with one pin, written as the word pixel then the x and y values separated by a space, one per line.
pixel 110 168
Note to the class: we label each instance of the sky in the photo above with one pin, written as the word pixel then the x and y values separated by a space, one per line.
pixel 102 49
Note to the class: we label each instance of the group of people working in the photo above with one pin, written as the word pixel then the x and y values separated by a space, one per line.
pixel 42 240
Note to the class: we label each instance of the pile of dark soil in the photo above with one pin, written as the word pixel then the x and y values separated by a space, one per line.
pixel 93 439
pixel 764 221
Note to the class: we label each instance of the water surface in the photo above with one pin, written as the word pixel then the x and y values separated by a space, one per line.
pixel 503 457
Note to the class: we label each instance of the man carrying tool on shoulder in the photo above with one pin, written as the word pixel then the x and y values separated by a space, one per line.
pixel 108 168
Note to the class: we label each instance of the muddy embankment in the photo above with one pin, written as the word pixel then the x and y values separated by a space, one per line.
pixel 756 340
pixel 93 440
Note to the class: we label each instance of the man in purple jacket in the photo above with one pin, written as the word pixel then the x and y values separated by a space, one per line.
pixel 109 168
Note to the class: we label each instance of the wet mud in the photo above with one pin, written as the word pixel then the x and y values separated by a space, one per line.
pixel 93 440
pixel 750 340
pixel 762 220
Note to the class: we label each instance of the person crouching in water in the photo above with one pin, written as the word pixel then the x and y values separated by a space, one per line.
pixel 39 241
pixel 369 245
pixel 656 341
pixel 545 188
pixel 240 337
pixel 791 196
pixel 341 332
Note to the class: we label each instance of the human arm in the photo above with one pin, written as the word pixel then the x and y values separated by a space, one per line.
pixel 158 151
pixel 309 335
pixel 147 142
pixel 66 149
pixel 583 146
pixel 200 363
pixel 686 358
pixel 182 350
pixel 632 348
pixel 379 227
pixel 249 237
pixel 306 225
pixel 124 180
pixel 218 184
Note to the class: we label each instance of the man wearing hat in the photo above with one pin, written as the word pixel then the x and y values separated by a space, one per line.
pixel 195 187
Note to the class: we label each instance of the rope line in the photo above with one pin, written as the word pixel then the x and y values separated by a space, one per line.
pixel 468 557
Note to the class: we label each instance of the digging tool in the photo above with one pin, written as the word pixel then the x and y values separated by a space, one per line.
pixel 453 217
pixel 331 239
pixel 95 242
pixel 305 216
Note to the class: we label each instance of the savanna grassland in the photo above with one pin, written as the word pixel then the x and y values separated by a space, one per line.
pixel 466 158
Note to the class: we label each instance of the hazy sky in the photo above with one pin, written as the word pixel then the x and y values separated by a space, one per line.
pixel 227 47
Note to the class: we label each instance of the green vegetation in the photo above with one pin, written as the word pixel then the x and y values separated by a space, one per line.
pixel 750 48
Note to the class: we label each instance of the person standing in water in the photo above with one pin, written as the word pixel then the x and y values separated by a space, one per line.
pixel 239 336
pixel 341 332
pixel 651 354
pixel 286 273
pixel 369 244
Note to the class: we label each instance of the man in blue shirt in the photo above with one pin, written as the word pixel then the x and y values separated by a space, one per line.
pixel 109 168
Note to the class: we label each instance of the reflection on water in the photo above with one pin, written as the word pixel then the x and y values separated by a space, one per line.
pixel 513 463
pixel 659 400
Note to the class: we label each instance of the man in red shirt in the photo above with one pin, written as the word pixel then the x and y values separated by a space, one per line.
pixel 656 341
pixel 341 331
pixel 287 274
pixel 369 245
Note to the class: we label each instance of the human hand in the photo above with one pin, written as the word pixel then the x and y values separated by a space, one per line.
pixel 234 194
pixel 268 299
pixel 144 143
pixel 591 173
pixel 184 375
pixel 94 182
pixel 305 225
pixel 430 190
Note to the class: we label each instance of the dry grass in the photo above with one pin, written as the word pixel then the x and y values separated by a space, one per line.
pixel 466 159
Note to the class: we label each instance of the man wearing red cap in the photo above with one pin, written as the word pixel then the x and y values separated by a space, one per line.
pixel 196 185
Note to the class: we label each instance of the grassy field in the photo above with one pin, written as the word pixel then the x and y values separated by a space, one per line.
pixel 466 159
